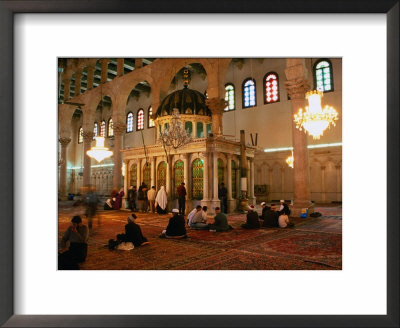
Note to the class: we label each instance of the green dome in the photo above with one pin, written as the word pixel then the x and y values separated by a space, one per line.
pixel 188 101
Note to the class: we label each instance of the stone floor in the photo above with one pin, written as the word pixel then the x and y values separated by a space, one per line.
pixel 313 244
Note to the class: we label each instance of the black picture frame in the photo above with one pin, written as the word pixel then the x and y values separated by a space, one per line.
pixel 7 11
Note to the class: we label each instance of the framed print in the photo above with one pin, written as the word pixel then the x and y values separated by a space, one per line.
pixel 34 35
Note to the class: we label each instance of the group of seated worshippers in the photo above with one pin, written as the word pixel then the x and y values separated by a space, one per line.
pixel 279 218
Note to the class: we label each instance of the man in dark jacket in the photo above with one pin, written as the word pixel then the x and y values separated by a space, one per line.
pixel 264 208
pixel 220 222
pixel 223 196
pixel 270 218
pixel 252 219
pixel 181 198
pixel 132 198
pixel 133 233
pixel 176 226
pixel 284 208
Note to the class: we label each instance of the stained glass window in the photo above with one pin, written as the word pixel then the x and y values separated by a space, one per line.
pixel 95 130
pixel 208 127
pixel 189 127
pixel 233 179
pixel 147 174
pixel 323 76
pixel 151 123
pixel 249 93
pixel 178 176
pixel 200 133
pixel 230 96
pixel 110 128
pixel 271 88
pixel 162 175
pixel 133 175
pixel 103 129
pixel 221 172
pixel 197 179
pixel 80 135
pixel 140 120
pixel 129 122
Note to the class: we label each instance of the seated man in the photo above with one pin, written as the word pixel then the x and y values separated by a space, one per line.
pixel 270 218
pixel 198 219
pixel 284 222
pixel 77 236
pixel 264 208
pixel 192 212
pixel 284 208
pixel 220 222
pixel 252 219
pixel 133 233
pixel 108 205
pixel 176 226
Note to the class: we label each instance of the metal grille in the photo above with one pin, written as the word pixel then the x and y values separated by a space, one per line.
pixel 234 179
pixel 162 175
pixel 197 179
pixel 147 174
pixel 178 176
pixel 133 175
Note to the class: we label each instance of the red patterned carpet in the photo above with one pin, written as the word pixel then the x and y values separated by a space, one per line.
pixel 313 244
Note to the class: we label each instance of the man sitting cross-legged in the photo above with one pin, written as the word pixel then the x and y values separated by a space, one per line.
pixel 197 219
pixel 220 222
pixel 176 226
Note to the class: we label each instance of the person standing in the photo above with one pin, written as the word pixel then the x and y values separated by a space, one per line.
pixel 77 236
pixel 132 198
pixel 151 196
pixel 141 192
pixel 223 196
pixel 161 201
pixel 181 198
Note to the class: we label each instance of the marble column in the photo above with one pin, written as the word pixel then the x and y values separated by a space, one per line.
pixel 297 86
pixel 338 183
pixel 323 195
pixel 237 181
pixel 78 78
pixel 252 199
pixel 90 77
pixel 119 129
pixel 153 171
pixel 217 106
pixel 138 173
pixel 205 177
pixel 126 182
pixel 168 178
pixel 87 161
pixel 64 141
pixel 229 160
pixel 186 174
pixel 67 85
pixel 120 66
pixel 138 63
pixel 195 129
pixel 215 176
pixel 104 70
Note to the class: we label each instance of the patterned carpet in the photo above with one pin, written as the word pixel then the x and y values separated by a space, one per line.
pixel 313 244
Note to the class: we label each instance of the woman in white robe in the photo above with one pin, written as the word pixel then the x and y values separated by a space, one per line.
pixel 161 201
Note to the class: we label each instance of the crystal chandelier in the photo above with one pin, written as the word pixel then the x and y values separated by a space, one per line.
pixel 175 135
pixel 290 160
pixel 99 152
pixel 315 120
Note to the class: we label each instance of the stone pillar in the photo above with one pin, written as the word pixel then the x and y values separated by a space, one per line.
pixel 216 105
pixel 138 173
pixel 283 182
pixel 90 77
pixel 297 86
pixel 323 195
pixel 153 171
pixel 168 178
pixel 64 141
pixel 87 161
pixel 186 174
pixel 120 66
pixel 119 129
pixel 338 183
pixel 252 199
pixel 237 181
pixel 126 182
pixel 78 77
pixel 270 171
pixel 231 201
pixel 104 70
pixel 138 63
pixel 215 176
pixel 195 129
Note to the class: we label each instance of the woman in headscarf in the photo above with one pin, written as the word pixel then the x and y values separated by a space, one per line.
pixel 118 199
pixel 161 201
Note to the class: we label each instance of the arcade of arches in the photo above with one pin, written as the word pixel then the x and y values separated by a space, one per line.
pixel 130 101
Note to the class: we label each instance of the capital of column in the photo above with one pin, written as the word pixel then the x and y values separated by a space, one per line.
pixel 64 141
pixel 323 167
pixel 216 105
pixel 119 128
pixel 297 88
pixel 88 136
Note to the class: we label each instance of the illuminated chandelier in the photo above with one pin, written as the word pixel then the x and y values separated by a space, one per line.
pixel 99 152
pixel 290 160
pixel 315 120
pixel 175 135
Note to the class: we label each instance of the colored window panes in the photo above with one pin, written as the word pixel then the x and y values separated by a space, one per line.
pixel 271 88
pixel 197 179
pixel 129 122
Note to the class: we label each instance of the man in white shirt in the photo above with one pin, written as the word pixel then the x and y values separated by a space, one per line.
pixel 197 219
pixel 151 196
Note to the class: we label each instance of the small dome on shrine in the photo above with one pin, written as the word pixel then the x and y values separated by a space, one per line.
pixel 187 101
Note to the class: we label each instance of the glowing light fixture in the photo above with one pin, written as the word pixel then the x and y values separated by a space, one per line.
pixel 315 120
pixel 99 152
pixel 290 160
